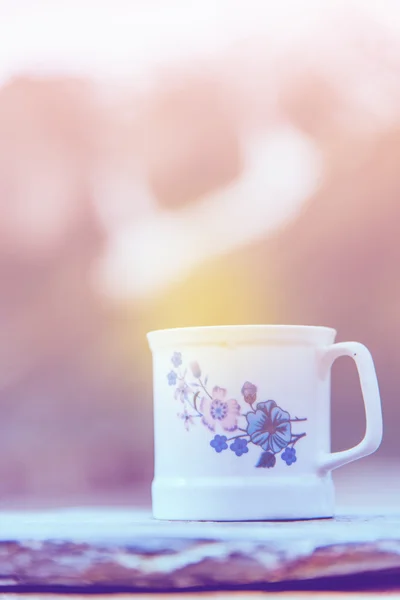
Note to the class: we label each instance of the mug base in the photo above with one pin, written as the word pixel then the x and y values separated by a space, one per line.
pixel 235 499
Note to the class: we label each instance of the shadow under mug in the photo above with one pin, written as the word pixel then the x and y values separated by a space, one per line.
pixel 242 421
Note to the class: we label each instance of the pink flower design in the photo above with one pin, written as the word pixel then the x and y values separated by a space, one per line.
pixel 219 410
pixel 249 391
pixel 182 391
pixel 186 418
pixel 195 367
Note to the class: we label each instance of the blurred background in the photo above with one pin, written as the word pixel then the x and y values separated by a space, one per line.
pixel 168 163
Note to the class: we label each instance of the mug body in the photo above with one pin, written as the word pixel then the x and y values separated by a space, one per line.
pixel 241 417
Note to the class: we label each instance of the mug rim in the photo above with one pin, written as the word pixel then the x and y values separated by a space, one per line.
pixel 239 334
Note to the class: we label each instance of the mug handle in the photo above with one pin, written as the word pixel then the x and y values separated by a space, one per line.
pixel 372 402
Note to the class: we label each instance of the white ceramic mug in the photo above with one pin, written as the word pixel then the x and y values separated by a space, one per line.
pixel 242 421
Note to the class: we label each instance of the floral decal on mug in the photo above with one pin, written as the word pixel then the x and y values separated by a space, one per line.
pixel 263 424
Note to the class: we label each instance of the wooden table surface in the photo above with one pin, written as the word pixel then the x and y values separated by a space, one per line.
pixel 235 595
pixel 121 549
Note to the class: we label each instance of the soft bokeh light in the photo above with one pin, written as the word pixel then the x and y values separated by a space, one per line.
pixel 279 173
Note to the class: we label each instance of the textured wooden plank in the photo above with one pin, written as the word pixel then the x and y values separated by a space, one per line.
pixel 211 596
pixel 127 549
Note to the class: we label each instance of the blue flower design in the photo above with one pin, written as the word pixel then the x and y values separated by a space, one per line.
pixel 219 443
pixel 267 460
pixel 172 377
pixel 176 359
pixel 269 426
pixel 239 447
pixel 289 456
